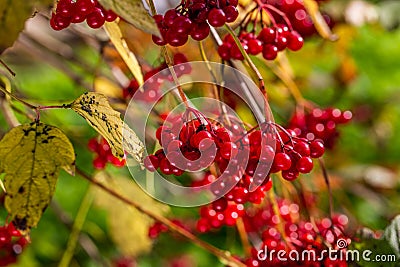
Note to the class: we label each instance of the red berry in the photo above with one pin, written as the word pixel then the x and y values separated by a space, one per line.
pixel 99 162
pixel 182 25
pixel 267 35
pixel 5 237
pixel 282 161
pixel 290 175
pixel 198 137
pixel 96 19
pixel 176 39
pixel 231 13
pixel 316 149
pixel 302 148
pixel 65 8
pixel 224 51
pixel 151 163
pixel 85 7
pixel 220 204
pixel 228 150
pixel 255 46
pixel 110 16
pixel 295 41
pixel 216 17
pixel 305 165
pixel 270 52
pixel 200 31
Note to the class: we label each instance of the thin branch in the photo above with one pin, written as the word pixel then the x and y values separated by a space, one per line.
pixel 248 60
pixel 7 67
pixel 84 240
pixel 172 226
pixel 328 185
pixel 76 229
pixel 243 237
pixel 216 85
pixel 5 91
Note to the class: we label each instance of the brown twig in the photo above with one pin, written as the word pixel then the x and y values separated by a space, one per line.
pixel 172 226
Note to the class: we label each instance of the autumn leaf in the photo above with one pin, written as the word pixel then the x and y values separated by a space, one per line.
pixel 392 235
pixel 13 14
pixel 94 107
pixel 115 34
pixel 103 85
pixel 31 156
pixel 319 21
pixel 132 239
pixel 134 12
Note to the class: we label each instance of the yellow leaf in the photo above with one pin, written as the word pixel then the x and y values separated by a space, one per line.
pixel 319 21
pixel 31 156
pixel 13 14
pixel 115 34
pixel 134 12
pixel 106 87
pixel 127 226
pixel 106 121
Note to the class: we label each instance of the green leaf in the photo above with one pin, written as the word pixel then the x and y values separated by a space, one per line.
pixel 373 249
pixel 94 107
pixel 134 12
pixel 13 14
pixel 31 156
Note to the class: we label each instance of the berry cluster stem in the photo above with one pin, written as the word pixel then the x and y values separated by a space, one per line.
pixel 328 185
pixel 215 86
pixel 275 207
pixel 248 60
pixel 172 226
pixel 169 61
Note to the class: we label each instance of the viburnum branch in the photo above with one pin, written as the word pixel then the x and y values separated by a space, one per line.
pixel 248 60
pixel 37 109
pixel 172 226
pixel 243 237
pixel 328 185
pixel 215 85
pixel 169 61
pixel 7 67
pixel 5 91
pixel 76 229
pixel 170 65
pixel 275 208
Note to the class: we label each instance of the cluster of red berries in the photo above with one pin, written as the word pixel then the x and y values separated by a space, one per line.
pixel 190 18
pixel 219 213
pixel 229 208
pixel 157 228
pixel 269 41
pixel 151 92
pixel 189 148
pixel 319 124
pixel 297 14
pixel 71 11
pixel 294 154
pixel 104 154
pixel 11 244
pixel 300 235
